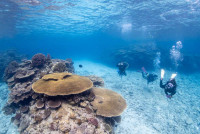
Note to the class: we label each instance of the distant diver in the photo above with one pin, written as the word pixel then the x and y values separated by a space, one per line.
pixel 80 66
pixel 170 86
pixel 149 77
pixel 122 66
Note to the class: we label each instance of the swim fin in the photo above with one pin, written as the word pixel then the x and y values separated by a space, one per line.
pixel 173 76
pixel 162 73
pixel 144 70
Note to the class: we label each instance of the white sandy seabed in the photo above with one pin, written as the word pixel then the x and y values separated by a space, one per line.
pixel 6 127
pixel 148 111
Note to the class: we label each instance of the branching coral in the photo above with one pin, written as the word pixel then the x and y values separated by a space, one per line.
pixel 38 60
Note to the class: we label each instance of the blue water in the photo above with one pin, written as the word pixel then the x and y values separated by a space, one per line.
pixel 95 31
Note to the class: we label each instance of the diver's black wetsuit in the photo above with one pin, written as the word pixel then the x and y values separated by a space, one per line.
pixel 169 91
pixel 122 66
pixel 149 77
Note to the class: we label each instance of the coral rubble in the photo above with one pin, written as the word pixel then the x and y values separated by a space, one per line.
pixel 47 97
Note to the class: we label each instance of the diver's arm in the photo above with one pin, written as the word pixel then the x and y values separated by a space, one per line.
pixel 166 92
pixel 161 83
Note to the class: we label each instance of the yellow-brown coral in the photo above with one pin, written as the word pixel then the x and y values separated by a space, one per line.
pixel 62 84
pixel 107 102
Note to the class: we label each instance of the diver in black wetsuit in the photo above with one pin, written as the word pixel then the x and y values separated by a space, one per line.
pixel 169 87
pixel 122 66
pixel 149 77
pixel 80 66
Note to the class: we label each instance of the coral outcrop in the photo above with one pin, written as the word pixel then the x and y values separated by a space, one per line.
pixel 107 102
pixel 53 103
pixel 67 119
pixel 60 103
pixel 97 81
pixel 11 69
pixel 62 84
pixel 9 59
pixel 38 60
pixel 59 67
pixel 39 104
pixel 21 76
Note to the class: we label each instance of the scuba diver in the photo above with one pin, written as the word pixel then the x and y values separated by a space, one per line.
pixel 122 66
pixel 80 66
pixel 149 77
pixel 170 86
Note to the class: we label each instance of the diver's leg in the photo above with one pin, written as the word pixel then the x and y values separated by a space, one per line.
pixel 144 76
pixel 173 93
pixel 166 92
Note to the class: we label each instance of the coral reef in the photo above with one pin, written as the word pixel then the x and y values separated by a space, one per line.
pixel 69 64
pixel 59 67
pixel 39 104
pixel 20 77
pixel 38 60
pixel 9 59
pixel 24 74
pixel 67 119
pixel 57 103
pixel 97 81
pixel 53 103
pixel 11 69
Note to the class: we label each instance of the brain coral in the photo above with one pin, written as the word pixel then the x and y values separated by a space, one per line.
pixel 62 84
pixel 107 102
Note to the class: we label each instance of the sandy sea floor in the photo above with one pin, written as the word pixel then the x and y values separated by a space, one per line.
pixel 5 121
pixel 148 111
